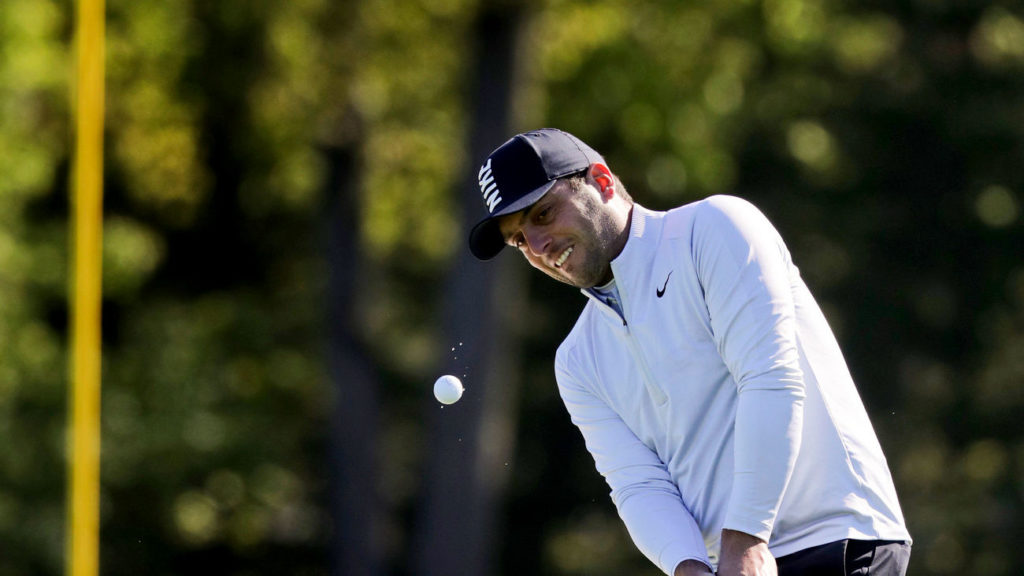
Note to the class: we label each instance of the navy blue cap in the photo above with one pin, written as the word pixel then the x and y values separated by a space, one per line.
pixel 519 173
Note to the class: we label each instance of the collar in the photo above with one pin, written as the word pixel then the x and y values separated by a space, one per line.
pixel 630 260
pixel 639 219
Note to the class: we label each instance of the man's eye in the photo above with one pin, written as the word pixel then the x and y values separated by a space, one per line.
pixel 543 214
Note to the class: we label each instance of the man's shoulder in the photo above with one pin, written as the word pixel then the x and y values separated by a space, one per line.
pixel 717 202
pixel 681 221
pixel 678 221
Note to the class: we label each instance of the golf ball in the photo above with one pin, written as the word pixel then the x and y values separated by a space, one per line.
pixel 448 389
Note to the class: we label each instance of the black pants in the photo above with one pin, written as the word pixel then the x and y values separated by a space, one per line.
pixel 848 558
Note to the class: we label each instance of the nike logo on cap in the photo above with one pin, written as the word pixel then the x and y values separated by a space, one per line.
pixel 661 292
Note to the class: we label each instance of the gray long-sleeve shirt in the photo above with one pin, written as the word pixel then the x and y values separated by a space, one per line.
pixel 719 398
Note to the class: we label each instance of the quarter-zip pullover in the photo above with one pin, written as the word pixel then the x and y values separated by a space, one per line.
pixel 719 397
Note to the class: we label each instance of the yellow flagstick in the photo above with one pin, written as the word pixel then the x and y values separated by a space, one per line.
pixel 82 554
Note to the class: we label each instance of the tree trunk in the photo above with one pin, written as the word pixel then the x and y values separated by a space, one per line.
pixel 472 441
pixel 354 503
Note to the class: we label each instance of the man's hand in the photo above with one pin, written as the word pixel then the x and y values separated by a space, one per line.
pixel 745 555
pixel 691 568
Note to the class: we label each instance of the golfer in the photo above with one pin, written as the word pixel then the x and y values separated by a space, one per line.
pixel 704 378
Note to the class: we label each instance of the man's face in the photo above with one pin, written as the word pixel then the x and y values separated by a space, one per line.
pixel 568 234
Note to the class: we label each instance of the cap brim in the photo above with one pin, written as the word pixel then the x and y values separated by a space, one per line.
pixel 485 239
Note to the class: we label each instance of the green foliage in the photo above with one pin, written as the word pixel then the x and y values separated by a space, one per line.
pixel 33 114
pixel 884 140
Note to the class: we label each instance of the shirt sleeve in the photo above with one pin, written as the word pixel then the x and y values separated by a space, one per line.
pixel 744 268
pixel 642 490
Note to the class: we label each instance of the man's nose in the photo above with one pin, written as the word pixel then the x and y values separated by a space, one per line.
pixel 538 241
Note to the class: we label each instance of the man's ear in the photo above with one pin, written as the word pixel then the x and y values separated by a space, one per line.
pixel 603 180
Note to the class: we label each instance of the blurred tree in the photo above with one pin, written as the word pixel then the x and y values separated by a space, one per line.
pixel 885 141
pixel 354 430
pixel 34 72
pixel 459 521
pixel 214 395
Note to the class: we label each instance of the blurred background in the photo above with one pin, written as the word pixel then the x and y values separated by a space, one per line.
pixel 287 190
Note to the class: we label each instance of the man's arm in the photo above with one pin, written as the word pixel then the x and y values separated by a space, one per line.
pixel 744 268
pixel 741 554
pixel 647 499
pixel 692 568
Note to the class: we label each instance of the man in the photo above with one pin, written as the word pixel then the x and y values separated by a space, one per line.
pixel 705 380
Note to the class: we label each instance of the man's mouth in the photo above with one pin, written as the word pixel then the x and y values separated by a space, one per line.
pixel 563 257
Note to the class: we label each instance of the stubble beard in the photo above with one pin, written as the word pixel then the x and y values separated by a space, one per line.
pixel 596 241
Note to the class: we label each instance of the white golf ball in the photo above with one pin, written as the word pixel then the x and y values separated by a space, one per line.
pixel 448 389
